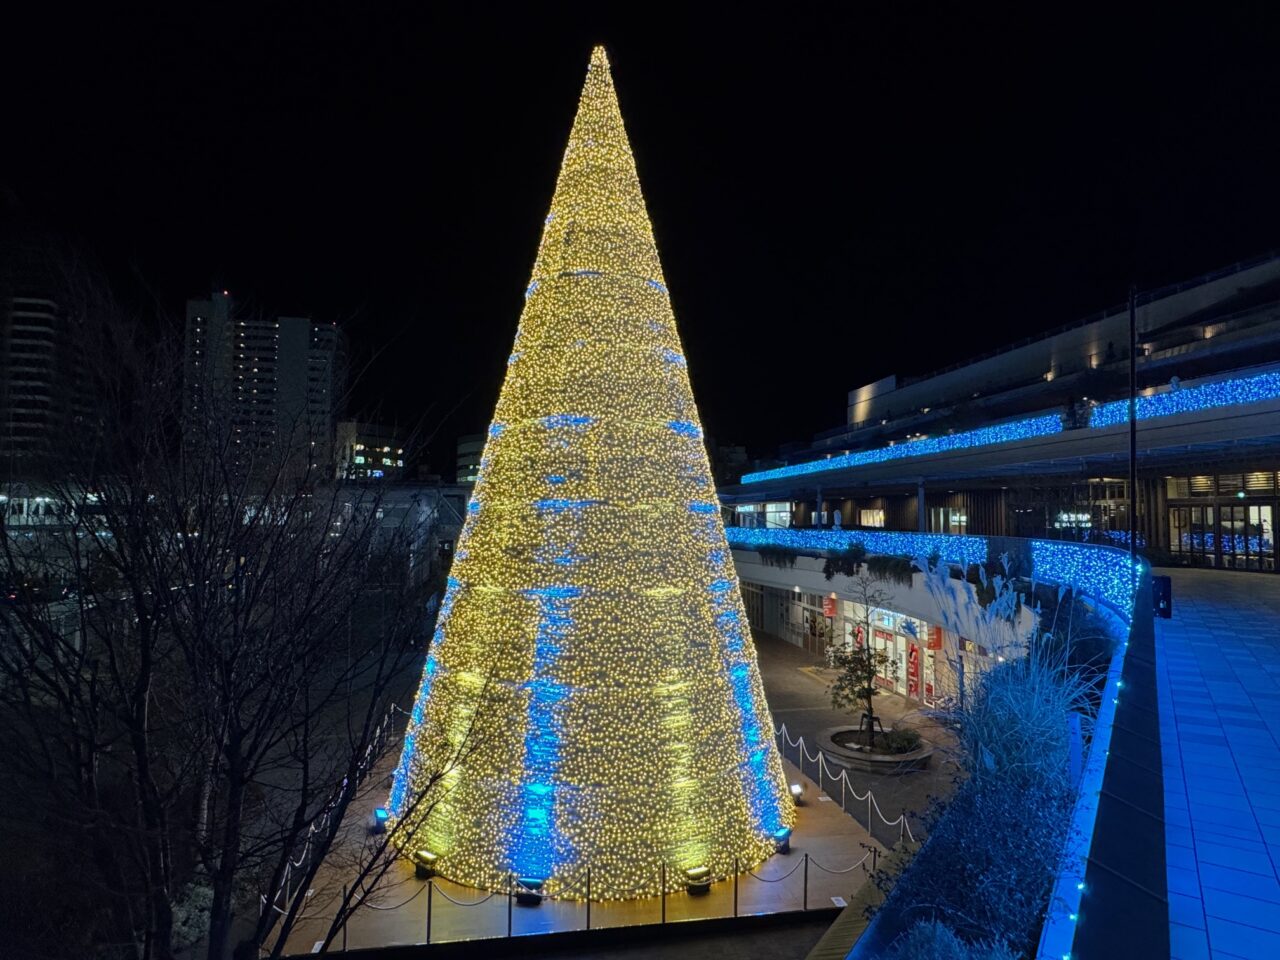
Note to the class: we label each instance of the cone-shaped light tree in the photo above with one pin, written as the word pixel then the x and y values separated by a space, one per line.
pixel 592 644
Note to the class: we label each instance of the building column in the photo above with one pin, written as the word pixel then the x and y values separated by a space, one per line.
pixel 922 518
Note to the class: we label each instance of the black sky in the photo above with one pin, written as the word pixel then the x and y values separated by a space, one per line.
pixel 837 194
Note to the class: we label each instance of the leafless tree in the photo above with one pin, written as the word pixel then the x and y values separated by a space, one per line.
pixel 204 637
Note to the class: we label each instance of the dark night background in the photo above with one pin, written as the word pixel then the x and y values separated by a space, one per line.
pixel 837 195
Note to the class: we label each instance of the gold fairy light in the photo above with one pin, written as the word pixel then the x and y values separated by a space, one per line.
pixel 592 643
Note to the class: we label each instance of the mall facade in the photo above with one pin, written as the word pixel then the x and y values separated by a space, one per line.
pixel 1032 441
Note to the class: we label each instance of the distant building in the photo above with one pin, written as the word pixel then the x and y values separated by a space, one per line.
pixel 470 450
pixel 44 387
pixel 271 381
pixel 369 451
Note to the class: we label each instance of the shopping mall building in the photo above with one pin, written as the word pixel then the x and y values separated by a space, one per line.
pixel 1032 441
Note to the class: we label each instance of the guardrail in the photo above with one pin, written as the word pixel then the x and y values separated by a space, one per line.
pixel 898 829
pixel 1110 887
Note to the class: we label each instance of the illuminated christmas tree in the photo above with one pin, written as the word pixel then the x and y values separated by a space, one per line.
pixel 592 645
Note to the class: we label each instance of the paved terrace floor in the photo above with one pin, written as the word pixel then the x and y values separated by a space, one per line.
pixel 832 839
pixel 1218 663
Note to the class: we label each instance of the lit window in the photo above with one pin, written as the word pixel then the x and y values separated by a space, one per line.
pixel 359 459
pixel 777 514
pixel 871 518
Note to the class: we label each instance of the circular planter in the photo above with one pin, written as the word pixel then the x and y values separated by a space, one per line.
pixel 867 762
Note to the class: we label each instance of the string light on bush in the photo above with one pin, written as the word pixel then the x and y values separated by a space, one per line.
pixel 592 646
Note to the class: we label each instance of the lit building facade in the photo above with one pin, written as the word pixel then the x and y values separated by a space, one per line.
pixel 277 384
pixel 1032 441
pixel 369 451
pixel 470 449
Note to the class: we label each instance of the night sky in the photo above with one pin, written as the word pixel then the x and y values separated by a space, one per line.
pixel 836 196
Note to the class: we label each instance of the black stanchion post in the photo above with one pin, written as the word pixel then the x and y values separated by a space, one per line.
pixel 510 891
pixel 805 901
pixel 875 859
pixel 588 898
pixel 902 826
pixel 430 890
pixel 344 926
pixel 735 886
pixel 663 893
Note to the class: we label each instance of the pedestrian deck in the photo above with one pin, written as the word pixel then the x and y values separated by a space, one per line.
pixel 837 865
pixel 1218 674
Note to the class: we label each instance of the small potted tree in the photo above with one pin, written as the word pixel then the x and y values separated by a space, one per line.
pixel 858 664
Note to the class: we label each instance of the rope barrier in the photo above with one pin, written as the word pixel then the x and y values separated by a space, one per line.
pixel 567 887
pixel 846 870
pixel 821 760
pixel 776 879
pixel 459 903
pixel 374 906
pixel 321 821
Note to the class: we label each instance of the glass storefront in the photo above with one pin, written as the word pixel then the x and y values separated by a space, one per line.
pixel 1224 520
pixel 816 622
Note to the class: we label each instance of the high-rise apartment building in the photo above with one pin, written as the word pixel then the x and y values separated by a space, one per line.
pixel 44 388
pixel 276 383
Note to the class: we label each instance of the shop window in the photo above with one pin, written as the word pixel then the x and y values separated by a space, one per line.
pixel 1230 484
pixel 1259 482
pixel 871 518
pixel 1201 486
pixel 948 520
pixel 1177 488
pixel 777 514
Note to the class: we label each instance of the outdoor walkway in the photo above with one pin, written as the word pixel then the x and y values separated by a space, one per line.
pixel 1219 680
pixel 837 866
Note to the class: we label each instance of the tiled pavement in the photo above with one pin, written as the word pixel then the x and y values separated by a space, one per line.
pixel 1219 676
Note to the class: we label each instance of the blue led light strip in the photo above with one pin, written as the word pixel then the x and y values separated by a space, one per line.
pixel 1241 390
pixel 754 769
pixel 951 548
pixel 1042 426
pixel 1094 570
pixel 535 843
pixel 400 780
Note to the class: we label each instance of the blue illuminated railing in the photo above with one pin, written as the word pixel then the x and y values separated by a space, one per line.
pixel 1042 426
pixel 950 548
pixel 1224 393
pixel 1092 570
pixel 1259 388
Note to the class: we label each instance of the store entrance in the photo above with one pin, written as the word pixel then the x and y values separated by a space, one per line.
pixel 1244 538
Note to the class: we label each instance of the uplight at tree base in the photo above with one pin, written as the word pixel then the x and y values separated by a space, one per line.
pixel 592 646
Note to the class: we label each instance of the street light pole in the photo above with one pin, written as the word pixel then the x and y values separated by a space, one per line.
pixel 1133 424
